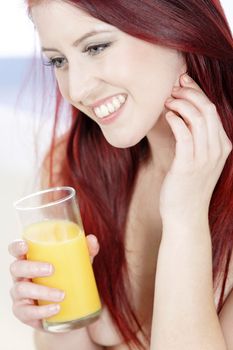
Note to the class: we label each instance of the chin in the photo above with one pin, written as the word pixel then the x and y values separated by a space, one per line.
pixel 123 143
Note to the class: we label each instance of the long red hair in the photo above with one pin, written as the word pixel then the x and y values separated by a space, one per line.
pixel 105 176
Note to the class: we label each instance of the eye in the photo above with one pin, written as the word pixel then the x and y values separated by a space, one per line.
pixel 57 62
pixel 94 50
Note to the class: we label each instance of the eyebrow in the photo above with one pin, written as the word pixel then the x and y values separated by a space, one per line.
pixel 78 41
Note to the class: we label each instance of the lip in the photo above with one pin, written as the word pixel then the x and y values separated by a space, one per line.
pixel 112 117
pixel 104 100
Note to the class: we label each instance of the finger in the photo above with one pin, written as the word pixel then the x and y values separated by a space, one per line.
pixel 217 138
pixel 29 313
pixel 197 126
pixel 187 80
pixel 199 100
pixel 29 290
pixel 18 248
pixel 184 140
pixel 192 92
pixel 30 269
pixel 209 113
pixel 36 324
pixel 93 246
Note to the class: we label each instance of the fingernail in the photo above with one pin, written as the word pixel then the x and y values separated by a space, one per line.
pixel 22 243
pixel 94 239
pixel 17 247
pixel 54 308
pixel 186 78
pixel 46 269
pixel 59 295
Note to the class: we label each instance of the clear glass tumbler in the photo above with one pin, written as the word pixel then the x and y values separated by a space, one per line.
pixel 52 226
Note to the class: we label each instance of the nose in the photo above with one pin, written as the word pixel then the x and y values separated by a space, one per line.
pixel 82 83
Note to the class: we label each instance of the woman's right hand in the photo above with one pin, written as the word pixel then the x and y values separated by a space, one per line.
pixel 25 293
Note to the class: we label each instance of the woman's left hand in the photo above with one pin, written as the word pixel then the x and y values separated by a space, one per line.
pixel 202 148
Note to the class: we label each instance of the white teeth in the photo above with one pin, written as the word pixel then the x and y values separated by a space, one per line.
pixel 121 98
pixel 110 107
pixel 116 103
pixel 98 112
pixel 106 109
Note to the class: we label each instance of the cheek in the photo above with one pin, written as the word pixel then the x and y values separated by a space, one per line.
pixel 145 73
pixel 115 74
pixel 121 67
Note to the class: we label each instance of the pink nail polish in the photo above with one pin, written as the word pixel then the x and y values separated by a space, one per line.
pixel 54 308
pixel 46 270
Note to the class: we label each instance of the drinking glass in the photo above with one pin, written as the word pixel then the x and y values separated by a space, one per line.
pixel 52 227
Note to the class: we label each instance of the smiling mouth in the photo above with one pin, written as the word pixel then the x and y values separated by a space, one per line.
pixel 106 109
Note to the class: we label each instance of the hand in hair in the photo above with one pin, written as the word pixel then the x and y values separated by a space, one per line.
pixel 202 148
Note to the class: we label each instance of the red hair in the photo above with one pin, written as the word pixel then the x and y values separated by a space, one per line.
pixel 105 176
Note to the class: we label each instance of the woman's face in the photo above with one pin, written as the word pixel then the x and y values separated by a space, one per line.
pixel 117 80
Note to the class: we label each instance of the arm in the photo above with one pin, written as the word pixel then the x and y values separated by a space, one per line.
pixel 226 320
pixel 77 339
pixel 184 312
pixel 184 315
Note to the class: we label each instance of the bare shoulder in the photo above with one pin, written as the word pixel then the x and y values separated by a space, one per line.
pixel 77 339
pixel 104 332
pixel 226 314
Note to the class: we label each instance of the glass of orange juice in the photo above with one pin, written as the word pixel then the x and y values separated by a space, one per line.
pixel 52 227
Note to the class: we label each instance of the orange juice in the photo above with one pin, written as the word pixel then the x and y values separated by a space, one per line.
pixel 63 244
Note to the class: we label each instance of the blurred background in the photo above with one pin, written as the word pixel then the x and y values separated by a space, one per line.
pixel 19 124
pixel 19 120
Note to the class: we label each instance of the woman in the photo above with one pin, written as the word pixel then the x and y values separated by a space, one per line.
pixel 149 149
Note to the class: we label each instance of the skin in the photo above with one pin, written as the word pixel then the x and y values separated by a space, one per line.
pixel 187 153
pixel 24 292
pixel 85 78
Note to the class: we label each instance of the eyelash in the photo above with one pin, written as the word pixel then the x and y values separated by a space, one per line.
pixel 91 47
pixel 53 61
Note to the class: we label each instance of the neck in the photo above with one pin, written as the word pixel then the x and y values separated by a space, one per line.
pixel 162 144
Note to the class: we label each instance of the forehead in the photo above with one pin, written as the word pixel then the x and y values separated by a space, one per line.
pixel 47 14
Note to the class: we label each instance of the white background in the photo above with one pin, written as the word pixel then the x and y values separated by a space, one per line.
pixel 17 169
